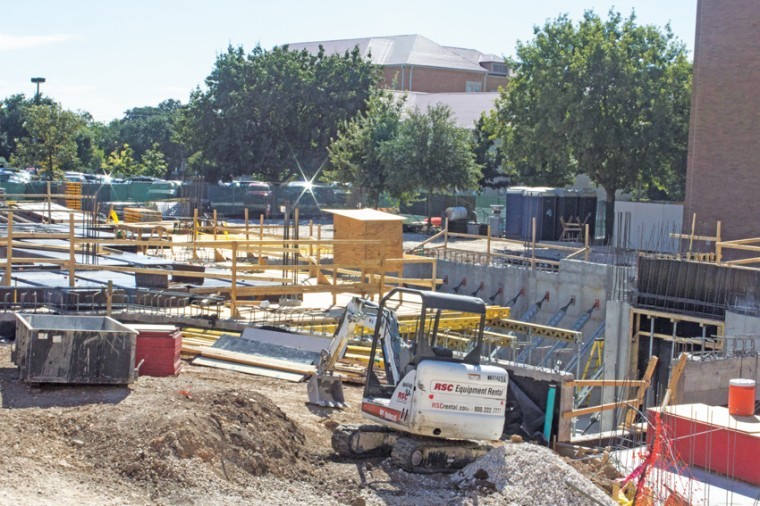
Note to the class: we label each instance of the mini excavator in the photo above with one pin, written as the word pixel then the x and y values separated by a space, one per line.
pixel 429 404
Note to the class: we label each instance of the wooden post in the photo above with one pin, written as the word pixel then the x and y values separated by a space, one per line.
pixel 50 214
pixel 195 232
pixel 533 245
pixel 319 246
pixel 109 297
pixel 630 416
pixel 718 246
pixel 9 250
pixel 693 226
pixel 446 236
pixel 335 283
pixel 233 288
pixel 214 224
pixel 586 253
pixel 675 375
pixel 435 275
pixel 72 251
pixel 245 214
pixel 311 236
pixel 261 238
pixel 488 245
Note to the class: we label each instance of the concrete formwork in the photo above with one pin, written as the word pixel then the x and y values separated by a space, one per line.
pixel 586 281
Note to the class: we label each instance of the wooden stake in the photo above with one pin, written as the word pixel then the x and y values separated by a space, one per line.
pixel 245 214
pixel 195 232
pixel 9 252
pixel 50 214
pixel 446 235
pixel 261 238
pixel 233 288
pixel 693 226
pixel 72 249
pixel 109 297
pixel 675 376
pixel 718 245
pixel 586 254
pixel 488 245
pixel 630 416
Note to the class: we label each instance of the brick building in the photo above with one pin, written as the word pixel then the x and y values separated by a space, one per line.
pixel 416 63
pixel 724 133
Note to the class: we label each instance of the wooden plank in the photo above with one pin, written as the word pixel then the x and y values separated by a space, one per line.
pixel 249 369
pixel 595 409
pixel 630 417
pixel 259 361
pixel 675 376
pixel 607 383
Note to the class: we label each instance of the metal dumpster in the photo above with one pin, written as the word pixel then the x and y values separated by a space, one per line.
pixel 74 349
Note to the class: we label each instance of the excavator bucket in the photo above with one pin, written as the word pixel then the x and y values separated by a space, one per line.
pixel 326 391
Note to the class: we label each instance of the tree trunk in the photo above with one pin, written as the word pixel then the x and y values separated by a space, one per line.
pixel 609 215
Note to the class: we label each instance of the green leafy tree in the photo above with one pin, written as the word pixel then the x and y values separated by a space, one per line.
pixel 487 155
pixel 606 98
pixel 12 119
pixel 121 162
pixel 153 162
pixel 358 156
pixel 271 112
pixel 431 154
pixel 152 128
pixel 51 142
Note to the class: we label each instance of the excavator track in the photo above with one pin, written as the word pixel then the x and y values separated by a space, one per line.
pixel 363 441
pixel 429 455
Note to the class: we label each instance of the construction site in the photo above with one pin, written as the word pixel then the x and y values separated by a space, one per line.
pixel 156 360
pixel 173 343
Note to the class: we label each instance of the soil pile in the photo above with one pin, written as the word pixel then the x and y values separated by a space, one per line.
pixel 230 433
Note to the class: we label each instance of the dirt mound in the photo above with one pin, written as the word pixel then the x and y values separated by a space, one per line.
pixel 232 434
pixel 527 474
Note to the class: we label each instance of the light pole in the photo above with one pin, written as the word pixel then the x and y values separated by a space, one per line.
pixel 37 81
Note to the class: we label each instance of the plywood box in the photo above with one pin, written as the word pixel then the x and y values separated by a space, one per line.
pixel 368 224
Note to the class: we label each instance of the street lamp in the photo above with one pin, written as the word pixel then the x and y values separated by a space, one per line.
pixel 37 81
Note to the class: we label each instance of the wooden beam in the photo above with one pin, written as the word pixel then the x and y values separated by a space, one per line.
pixel 595 409
pixel 675 376
pixel 630 417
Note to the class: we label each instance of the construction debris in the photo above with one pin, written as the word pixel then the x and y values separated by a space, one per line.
pixel 527 474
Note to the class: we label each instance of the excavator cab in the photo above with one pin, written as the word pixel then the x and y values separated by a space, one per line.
pixel 402 355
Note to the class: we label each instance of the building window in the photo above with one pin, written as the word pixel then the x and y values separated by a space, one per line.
pixel 474 86
pixel 499 68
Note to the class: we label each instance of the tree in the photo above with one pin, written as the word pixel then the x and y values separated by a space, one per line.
pixel 358 156
pixel 152 128
pixel 606 98
pixel 271 112
pixel 488 156
pixel 121 162
pixel 51 142
pixel 431 154
pixel 153 163
pixel 12 118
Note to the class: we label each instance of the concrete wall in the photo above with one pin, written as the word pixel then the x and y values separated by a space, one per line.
pixel 707 381
pixel 651 225
pixel 742 332
pixel 584 280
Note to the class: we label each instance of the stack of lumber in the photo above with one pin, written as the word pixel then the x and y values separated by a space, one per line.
pixel 73 194
pixel 158 348
pixel 140 214
pixel 198 343
pixel 195 339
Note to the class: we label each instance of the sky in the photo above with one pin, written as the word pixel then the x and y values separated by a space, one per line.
pixel 108 56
